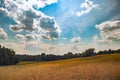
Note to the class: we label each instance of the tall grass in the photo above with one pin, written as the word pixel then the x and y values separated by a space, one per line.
pixel 103 67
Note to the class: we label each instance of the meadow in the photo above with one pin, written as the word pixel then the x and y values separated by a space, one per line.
pixel 99 67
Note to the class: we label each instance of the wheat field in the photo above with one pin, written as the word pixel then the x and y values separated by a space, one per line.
pixel 100 67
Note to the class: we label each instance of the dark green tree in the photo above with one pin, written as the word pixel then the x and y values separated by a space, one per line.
pixel 8 57
pixel 89 52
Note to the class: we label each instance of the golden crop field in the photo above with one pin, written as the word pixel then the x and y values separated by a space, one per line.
pixel 100 67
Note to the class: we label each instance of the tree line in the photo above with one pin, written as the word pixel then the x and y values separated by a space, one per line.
pixel 52 57
pixel 8 57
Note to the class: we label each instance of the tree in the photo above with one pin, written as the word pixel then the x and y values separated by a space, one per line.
pixel 43 56
pixel 68 55
pixel 17 60
pixel 8 57
pixel 89 52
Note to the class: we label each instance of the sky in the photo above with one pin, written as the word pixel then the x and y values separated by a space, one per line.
pixel 59 26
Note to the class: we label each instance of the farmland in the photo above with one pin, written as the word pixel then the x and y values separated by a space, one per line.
pixel 99 67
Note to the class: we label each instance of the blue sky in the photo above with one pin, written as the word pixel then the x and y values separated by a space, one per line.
pixel 83 26
pixel 36 26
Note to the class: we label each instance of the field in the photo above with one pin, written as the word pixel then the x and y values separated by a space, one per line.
pixel 100 67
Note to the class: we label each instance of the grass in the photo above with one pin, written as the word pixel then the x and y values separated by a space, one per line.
pixel 100 67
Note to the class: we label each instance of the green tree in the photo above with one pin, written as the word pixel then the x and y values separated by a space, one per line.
pixel 8 57
pixel 89 52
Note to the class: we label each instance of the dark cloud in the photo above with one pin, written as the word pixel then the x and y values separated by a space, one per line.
pixel 47 23
pixel 52 30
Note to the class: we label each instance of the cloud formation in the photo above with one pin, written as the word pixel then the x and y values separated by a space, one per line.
pixel 29 19
pixel 40 3
pixel 109 31
pixel 16 28
pixel 50 27
pixel 29 36
pixel 3 34
pixel 86 7
pixel 25 37
pixel 76 40
pixel 20 36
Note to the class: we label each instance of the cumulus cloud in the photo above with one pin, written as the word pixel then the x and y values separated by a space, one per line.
pixel 97 40
pixel 29 36
pixel 41 3
pixel 16 28
pixel 20 36
pixel 109 31
pixel 76 40
pixel 87 6
pixel 48 23
pixel 50 27
pixel 29 19
pixel 3 10
pixel 3 34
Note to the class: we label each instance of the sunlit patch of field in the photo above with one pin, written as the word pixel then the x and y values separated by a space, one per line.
pixel 100 67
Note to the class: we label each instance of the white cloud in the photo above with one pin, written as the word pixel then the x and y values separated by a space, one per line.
pixel 87 6
pixel 19 36
pixel 51 35
pixel 109 31
pixel 29 36
pixel 29 19
pixel 3 34
pixel 3 10
pixel 40 3
pixel 37 47
pixel 16 28
pixel 18 47
pixel 97 40
pixel 76 40
pixel 64 38
pixel 48 23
